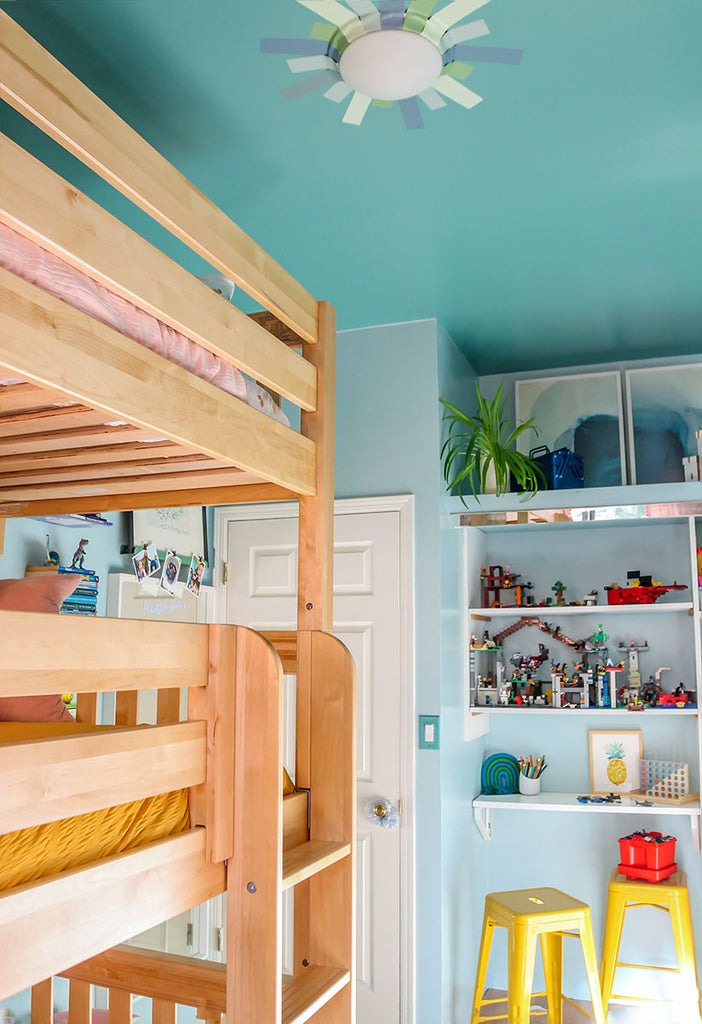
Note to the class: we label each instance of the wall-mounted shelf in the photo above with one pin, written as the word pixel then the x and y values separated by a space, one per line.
pixel 483 807
pixel 549 611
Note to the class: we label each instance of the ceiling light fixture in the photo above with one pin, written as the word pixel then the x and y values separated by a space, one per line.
pixel 381 51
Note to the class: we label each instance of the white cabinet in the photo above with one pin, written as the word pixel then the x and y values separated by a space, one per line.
pixel 568 552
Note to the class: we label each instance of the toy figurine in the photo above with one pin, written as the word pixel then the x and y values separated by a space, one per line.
pixel 79 555
pixel 558 589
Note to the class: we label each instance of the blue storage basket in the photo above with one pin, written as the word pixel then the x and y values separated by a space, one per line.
pixel 562 467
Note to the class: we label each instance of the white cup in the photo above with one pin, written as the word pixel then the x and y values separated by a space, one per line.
pixel 529 787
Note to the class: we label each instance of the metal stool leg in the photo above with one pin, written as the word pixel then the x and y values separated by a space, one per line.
pixel 481 973
pixel 521 954
pixel 681 922
pixel 614 923
pixel 552 955
pixel 587 944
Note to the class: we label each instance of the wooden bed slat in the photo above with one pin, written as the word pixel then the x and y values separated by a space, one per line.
pixel 37 203
pixel 42 1011
pixel 80 1003
pixel 285 643
pixel 163 1011
pixel 43 339
pixel 61 440
pixel 26 396
pixel 50 419
pixel 126 485
pixel 137 468
pixel 119 1007
pixel 50 779
pixel 75 654
pixel 40 88
pixel 196 982
pixel 71 910
pixel 243 492
pixel 99 455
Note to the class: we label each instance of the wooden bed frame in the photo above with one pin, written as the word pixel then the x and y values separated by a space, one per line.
pixel 76 434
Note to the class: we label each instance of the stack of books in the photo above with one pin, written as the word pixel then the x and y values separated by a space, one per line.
pixel 83 600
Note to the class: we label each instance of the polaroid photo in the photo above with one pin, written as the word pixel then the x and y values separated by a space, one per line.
pixel 140 563
pixel 195 574
pixel 171 570
pixel 153 564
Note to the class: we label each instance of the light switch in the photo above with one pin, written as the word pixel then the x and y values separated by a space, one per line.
pixel 428 732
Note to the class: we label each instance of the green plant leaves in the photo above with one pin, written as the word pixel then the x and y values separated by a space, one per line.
pixel 477 441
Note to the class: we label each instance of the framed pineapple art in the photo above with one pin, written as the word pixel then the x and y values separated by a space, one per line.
pixel 615 761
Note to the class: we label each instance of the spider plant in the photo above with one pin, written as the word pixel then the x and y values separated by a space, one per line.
pixel 483 441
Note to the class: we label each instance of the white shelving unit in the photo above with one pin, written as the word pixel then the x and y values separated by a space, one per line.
pixel 589 539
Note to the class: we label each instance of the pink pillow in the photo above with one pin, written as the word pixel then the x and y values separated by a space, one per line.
pixel 45 593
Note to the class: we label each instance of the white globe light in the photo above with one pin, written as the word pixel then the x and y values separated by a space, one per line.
pixel 392 64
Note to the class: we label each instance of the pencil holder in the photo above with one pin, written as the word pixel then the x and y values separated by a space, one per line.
pixel 529 787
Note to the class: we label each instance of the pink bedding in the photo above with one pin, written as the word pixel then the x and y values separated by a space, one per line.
pixel 34 264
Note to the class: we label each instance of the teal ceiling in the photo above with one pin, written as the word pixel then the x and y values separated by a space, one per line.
pixel 558 222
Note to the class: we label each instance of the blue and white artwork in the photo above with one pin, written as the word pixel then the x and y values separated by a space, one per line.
pixel 665 413
pixel 581 412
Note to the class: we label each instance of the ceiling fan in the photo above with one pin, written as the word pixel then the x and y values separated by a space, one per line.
pixel 378 52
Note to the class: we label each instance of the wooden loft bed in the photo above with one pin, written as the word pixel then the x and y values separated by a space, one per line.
pixel 77 426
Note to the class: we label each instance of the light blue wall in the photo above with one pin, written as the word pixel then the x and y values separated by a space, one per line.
pixel 387 439
pixel 462 852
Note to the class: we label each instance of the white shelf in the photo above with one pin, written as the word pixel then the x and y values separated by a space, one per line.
pixel 512 709
pixel 484 805
pixel 549 611
pixel 641 501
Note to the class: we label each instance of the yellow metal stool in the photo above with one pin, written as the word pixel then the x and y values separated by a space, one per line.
pixel 527 914
pixel 672 897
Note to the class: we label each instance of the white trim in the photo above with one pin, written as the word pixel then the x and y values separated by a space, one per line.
pixel 404 505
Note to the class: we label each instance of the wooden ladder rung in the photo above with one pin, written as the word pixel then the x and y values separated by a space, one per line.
pixel 307 859
pixel 304 995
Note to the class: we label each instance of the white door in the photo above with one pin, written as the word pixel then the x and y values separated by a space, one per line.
pixel 371 613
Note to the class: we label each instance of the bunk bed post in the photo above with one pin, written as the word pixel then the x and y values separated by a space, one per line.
pixel 316 523
pixel 254 898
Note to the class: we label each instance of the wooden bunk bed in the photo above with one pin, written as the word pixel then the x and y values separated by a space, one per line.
pixel 89 418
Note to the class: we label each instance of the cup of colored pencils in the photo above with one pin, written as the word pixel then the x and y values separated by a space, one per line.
pixel 530 772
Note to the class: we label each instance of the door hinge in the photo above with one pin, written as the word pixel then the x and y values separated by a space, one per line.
pixel 218 939
pixel 225 573
pixel 189 936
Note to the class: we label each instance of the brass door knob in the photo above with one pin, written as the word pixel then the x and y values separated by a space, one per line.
pixel 382 813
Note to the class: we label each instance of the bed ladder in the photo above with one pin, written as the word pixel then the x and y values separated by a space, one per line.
pixel 321 870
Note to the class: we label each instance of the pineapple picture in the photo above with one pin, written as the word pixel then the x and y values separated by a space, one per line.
pixel 615 760
pixel 616 765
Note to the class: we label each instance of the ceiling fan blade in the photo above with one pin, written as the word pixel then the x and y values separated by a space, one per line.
pixel 453 90
pixel 337 14
pixel 461 34
pixel 411 113
pixel 356 110
pixel 300 64
pixel 449 16
pixel 367 12
pixel 310 84
pixel 303 47
pixel 338 92
pixel 489 54
pixel 431 99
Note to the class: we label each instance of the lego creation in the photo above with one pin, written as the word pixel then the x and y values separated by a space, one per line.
pixel 640 589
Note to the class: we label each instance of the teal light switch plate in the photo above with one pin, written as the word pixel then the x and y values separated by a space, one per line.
pixel 428 732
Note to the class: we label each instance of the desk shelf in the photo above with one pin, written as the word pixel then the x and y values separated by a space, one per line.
pixel 483 807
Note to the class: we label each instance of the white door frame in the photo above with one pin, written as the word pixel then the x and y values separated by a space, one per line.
pixel 404 505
